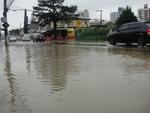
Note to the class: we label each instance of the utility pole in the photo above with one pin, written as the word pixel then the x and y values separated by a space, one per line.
pixel 6 25
pixel 101 11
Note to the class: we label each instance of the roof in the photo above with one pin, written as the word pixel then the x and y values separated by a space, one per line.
pixel 133 23
pixel 76 18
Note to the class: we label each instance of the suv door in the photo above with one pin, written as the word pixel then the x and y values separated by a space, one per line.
pixel 123 33
pixel 134 29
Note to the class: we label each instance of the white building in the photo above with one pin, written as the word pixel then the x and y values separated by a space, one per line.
pixel 141 15
pixel 144 14
pixel 115 15
pixel 84 14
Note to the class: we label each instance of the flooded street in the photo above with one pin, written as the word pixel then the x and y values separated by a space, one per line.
pixel 61 78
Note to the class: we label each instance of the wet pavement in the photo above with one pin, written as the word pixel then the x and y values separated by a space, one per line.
pixel 74 78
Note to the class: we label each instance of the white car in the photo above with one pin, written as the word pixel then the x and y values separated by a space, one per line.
pixel 26 37
pixel 12 39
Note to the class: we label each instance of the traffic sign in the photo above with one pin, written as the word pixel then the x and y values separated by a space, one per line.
pixel 3 19
pixel 5 25
pixel 78 23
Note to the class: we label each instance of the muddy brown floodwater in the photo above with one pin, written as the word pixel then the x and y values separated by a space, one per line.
pixel 40 78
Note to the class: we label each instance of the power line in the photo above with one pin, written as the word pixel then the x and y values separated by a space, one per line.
pixel 10 3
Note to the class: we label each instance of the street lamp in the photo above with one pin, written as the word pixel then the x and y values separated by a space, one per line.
pixel 101 11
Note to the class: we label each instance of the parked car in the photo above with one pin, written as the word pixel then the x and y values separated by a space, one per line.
pixel 39 38
pixel 26 37
pixel 135 32
pixel 12 39
pixel 19 38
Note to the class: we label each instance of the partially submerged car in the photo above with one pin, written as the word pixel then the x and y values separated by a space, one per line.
pixel 26 37
pixel 12 38
pixel 39 38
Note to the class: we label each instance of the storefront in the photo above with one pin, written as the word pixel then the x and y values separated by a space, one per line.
pixel 61 34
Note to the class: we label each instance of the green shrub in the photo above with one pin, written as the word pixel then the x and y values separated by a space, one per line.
pixel 92 34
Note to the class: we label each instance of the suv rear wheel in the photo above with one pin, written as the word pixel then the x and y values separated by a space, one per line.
pixel 141 41
pixel 112 41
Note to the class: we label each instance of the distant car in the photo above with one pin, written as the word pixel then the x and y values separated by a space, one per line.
pixel 12 39
pixel 135 32
pixel 39 38
pixel 26 37
pixel 19 38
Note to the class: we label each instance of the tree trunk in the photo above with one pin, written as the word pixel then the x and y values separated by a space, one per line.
pixel 55 29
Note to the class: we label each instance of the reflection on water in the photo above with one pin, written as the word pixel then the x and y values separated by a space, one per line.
pixel 74 79
pixel 135 62
pixel 54 64
pixel 28 58
pixel 11 81
pixel 10 99
pixel 139 59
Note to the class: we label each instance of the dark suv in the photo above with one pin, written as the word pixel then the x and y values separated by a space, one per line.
pixel 135 32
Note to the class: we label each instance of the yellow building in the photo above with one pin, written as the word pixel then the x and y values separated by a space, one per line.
pixel 71 26
pixel 74 23
pixel 66 30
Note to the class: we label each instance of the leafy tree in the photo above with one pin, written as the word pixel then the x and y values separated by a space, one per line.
pixel 110 25
pixel 53 11
pixel 126 16
pixel 15 32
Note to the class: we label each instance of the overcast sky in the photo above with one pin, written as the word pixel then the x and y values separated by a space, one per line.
pixel 15 19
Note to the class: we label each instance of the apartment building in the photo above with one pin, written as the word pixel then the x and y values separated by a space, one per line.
pixel 115 15
pixel 144 14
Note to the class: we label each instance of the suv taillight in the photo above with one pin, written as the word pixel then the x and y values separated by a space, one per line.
pixel 148 31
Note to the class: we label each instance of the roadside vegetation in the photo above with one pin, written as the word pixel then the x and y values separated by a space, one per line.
pixel 92 34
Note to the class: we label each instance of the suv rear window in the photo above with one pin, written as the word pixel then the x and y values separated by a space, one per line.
pixel 134 26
